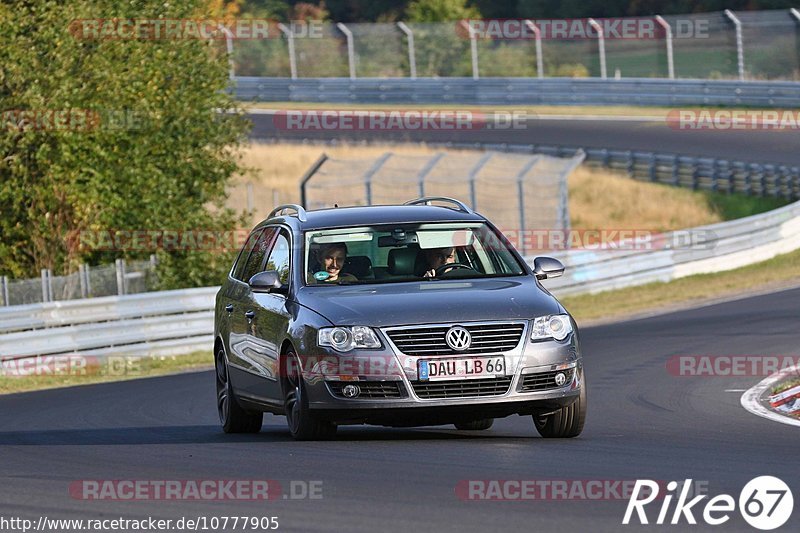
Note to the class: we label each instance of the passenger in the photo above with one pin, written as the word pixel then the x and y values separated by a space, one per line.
pixel 330 259
pixel 437 257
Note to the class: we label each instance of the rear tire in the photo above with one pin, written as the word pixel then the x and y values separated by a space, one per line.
pixel 233 418
pixel 475 425
pixel 567 422
pixel 302 423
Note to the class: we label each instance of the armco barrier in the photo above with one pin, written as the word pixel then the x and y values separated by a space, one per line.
pixel 521 91
pixel 173 322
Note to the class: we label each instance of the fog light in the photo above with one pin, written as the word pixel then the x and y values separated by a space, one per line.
pixel 350 391
pixel 561 379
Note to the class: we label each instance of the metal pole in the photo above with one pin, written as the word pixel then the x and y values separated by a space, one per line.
pixel 427 170
pixel 307 176
pixel 412 57
pixel 538 37
pixel 45 291
pixel 670 58
pixel 4 283
pixel 351 53
pixel 601 44
pixel 473 47
pixel 229 47
pixel 82 279
pixel 290 42
pixel 521 194
pixel 795 13
pixel 473 174
pixel 371 172
pixel 739 43
pixel 249 189
pixel 577 159
pixel 120 267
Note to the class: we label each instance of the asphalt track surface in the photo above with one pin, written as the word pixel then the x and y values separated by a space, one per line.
pixel 643 422
pixel 766 146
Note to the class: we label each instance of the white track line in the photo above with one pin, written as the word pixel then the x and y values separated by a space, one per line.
pixel 750 399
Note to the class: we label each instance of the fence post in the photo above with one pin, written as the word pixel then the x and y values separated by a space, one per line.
pixel 47 287
pixel 290 43
pixel 371 172
pixel 473 174
pixel 601 44
pixel 668 34
pixel 351 52
pixel 427 170
pixel 120 266
pixel 4 286
pixel 412 57
pixel 537 34
pixel 473 48
pixel 249 189
pixel 739 44
pixel 229 48
pixel 82 280
pixel 521 195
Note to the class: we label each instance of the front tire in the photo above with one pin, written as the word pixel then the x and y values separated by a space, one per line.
pixel 233 418
pixel 302 424
pixel 475 425
pixel 567 422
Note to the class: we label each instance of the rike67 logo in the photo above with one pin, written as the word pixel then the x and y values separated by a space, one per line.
pixel 765 503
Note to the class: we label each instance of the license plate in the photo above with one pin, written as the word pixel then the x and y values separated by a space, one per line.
pixel 463 368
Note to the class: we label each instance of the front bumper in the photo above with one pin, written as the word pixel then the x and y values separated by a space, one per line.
pixel 540 360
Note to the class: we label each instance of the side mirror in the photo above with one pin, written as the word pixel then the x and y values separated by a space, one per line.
pixel 547 267
pixel 268 281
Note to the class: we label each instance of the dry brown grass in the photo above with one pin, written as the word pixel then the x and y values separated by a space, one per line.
pixel 598 198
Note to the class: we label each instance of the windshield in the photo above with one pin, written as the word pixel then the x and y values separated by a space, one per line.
pixel 406 252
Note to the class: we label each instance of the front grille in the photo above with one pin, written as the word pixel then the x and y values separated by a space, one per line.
pixel 486 338
pixel 370 389
pixel 544 380
pixel 462 388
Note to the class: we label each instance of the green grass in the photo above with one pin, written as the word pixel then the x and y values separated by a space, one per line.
pixel 102 370
pixel 691 289
pixel 733 206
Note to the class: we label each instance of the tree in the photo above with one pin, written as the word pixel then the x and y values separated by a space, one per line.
pixel 440 11
pixel 144 146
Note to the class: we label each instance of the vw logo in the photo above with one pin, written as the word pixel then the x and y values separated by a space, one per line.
pixel 560 379
pixel 458 338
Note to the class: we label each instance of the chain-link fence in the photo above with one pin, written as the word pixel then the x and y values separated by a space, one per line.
pixel 718 45
pixel 516 191
pixel 89 282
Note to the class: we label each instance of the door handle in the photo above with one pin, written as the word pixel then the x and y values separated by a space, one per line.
pixel 250 315
pixel 229 308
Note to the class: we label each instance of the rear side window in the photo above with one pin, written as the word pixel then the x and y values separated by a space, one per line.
pixel 241 261
pixel 261 248
pixel 279 257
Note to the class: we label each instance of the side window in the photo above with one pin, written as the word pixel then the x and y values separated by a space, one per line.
pixel 260 250
pixel 241 261
pixel 279 257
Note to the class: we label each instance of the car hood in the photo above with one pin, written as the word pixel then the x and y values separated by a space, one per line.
pixel 429 302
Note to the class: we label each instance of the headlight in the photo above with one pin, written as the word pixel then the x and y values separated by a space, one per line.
pixel 556 327
pixel 344 339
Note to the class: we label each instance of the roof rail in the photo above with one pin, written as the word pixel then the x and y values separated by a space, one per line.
pixel 301 213
pixel 426 200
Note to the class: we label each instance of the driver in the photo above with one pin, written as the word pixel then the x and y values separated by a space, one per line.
pixel 436 257
pixel 330 259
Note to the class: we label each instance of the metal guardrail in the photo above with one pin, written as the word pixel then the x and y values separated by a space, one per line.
pixel 521 91
pixel 173 322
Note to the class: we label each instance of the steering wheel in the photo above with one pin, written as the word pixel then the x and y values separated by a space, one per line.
pixel 448 266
